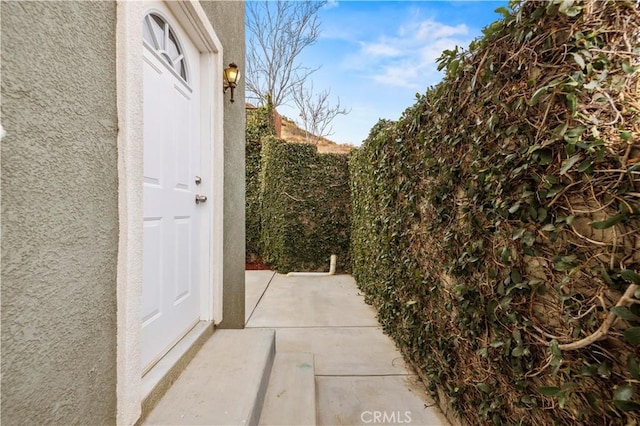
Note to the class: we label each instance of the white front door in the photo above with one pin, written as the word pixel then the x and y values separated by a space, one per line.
pixel 174 229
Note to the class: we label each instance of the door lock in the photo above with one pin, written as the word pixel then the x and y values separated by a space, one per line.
pixel 200 198
pixel 198 180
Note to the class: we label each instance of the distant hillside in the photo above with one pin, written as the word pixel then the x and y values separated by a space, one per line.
pixel 292 133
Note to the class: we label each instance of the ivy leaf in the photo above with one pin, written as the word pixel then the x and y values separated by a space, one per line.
pixel 528 400
pixel 634 368
pixel 604 370
pixel 528 239
pixel 542 214
pixel 626 405
pixel 559 131
pixel 623 393
pixel 483 387
pixel 632 335
pixel 608 223
pixel 590 86
pixel 518 234
pixel 545 157
pixel 627 67
pixel 624 313
pixel 550 391
pixel 573 135
pixel 568 163
pixel 504 11
pixel 505 254
pixel 584 166
pixel 592 399
pixel 536 96
pixel 569 8
pixel 563 266
pixel 579 60
pixel 631 276
pixel 561 400
pixel 572 103
pixel 453 66
pixel 626 136
pixel 554 190
pixel 518 351
pixel 606 277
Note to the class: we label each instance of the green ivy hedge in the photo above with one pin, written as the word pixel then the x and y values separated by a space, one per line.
pixel 259 124
pixel 306 205
pixel 496 225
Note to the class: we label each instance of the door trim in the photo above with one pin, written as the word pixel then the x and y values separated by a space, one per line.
pixel 193 19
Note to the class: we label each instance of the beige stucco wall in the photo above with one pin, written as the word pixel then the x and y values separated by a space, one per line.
pixel 227 18
pixel 59 213
pixel 59 198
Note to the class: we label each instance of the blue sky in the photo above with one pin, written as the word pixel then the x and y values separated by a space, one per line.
pixel 376 55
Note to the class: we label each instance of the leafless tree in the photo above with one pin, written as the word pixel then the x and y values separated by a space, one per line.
pixel 316 113
pixel 277 32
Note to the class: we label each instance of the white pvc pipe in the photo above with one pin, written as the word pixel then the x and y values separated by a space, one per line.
pixel 332 270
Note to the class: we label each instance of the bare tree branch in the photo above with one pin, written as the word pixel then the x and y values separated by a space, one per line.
pixel 316 113
pixel 277 32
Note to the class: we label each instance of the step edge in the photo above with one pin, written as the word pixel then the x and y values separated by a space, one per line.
pixel 256 409
pixel 157 381
pixel 313 408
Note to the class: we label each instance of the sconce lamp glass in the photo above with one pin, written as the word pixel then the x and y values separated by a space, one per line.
pixel 231 75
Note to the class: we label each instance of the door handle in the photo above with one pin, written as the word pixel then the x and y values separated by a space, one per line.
pixel 200 198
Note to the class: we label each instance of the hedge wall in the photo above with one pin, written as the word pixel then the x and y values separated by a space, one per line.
pixel 496 225
pixel 306 207
pixel 259 124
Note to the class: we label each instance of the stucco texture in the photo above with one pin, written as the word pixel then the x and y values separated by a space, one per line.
pixel 227 19
pixel 59 213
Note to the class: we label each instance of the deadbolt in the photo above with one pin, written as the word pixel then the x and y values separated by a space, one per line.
pixel 198 180
pixel 200 198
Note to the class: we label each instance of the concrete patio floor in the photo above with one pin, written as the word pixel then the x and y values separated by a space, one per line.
pixel 312 352
pixel 360 376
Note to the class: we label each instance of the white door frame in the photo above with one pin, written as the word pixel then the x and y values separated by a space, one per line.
pixel 129 69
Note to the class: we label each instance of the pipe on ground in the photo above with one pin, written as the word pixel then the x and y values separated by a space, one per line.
pixel 332 270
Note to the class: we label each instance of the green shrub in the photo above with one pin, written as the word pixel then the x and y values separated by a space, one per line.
pixel 259 124
pixel 498 221
pixel 305 207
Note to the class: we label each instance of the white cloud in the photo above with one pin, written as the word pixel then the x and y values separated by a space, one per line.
pixel 381 49
pixel 400 75
pixel 408 57
pixel 432 30
pixel 330 4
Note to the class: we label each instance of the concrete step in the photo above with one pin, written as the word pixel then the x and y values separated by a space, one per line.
pixel 291 395
pixel 224 384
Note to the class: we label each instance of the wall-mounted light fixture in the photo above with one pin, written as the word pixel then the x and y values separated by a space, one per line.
pixel 231 75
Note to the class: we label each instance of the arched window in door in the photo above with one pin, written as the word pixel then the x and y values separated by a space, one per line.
pixel 160 37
